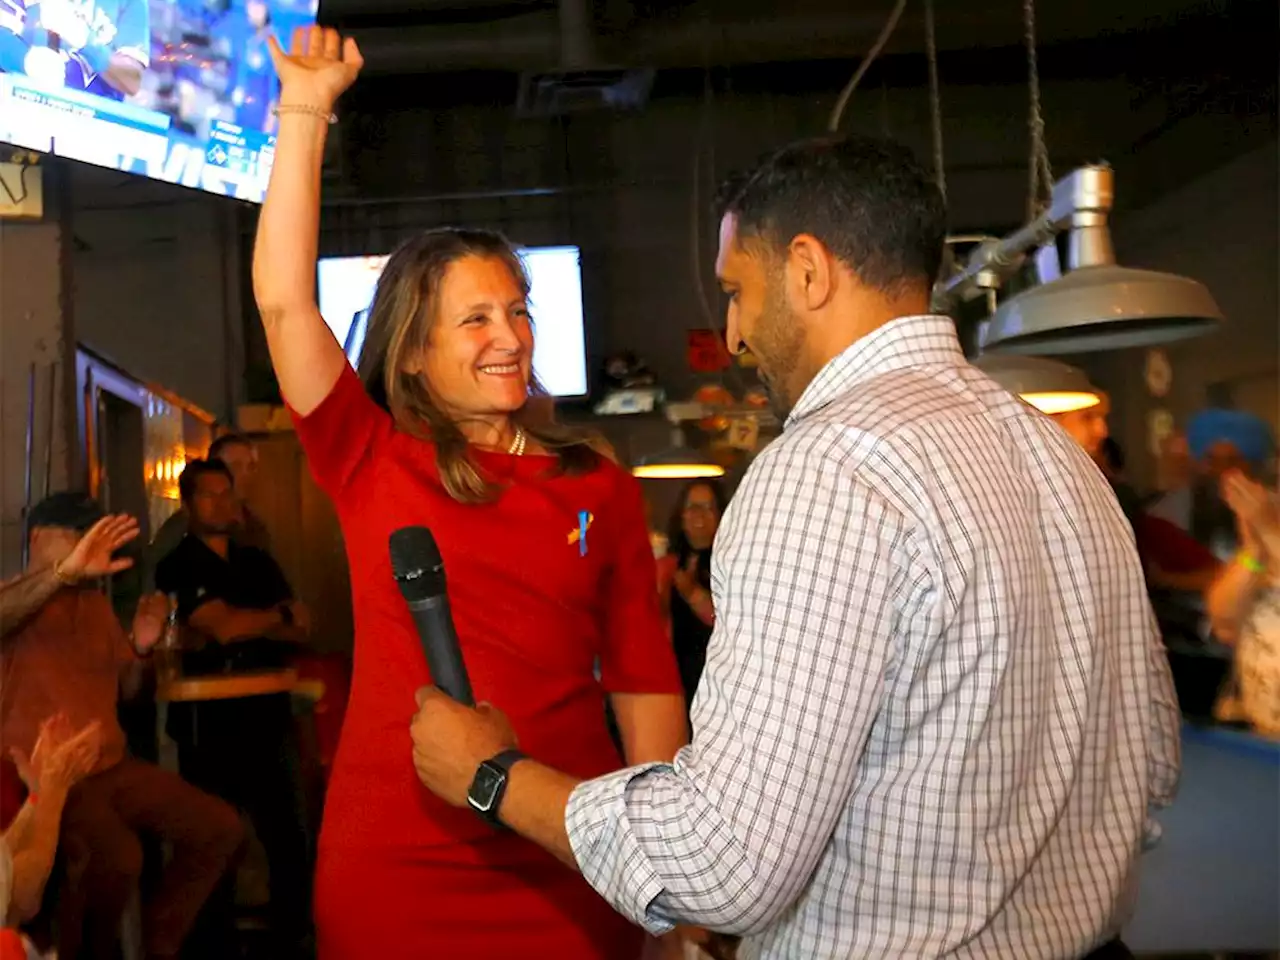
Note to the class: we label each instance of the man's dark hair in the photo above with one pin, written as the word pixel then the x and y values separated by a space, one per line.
pixel 69 510
pixel 196 469
pixel 866 199
pixel 228 440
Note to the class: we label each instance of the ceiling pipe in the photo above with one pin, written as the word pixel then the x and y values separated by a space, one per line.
pixel 551 41
pixel 577 36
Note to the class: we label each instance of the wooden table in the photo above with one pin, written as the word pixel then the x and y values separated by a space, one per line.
pixel 226 686
pixel 202 689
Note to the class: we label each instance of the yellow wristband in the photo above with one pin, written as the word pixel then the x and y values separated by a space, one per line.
pixel 60 575
pixel 1250 562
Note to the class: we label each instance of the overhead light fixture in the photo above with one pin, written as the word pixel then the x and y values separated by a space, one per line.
pixel 678 462
pixel 1049 386
pixel 677 465
pixel 1095 305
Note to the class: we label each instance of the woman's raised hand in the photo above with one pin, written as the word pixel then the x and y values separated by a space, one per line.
pixel 320 66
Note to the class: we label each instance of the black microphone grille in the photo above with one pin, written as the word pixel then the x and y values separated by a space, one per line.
pixel 416 563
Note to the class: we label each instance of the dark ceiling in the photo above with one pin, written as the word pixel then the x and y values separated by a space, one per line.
pixel 1210 56
pixel 421 36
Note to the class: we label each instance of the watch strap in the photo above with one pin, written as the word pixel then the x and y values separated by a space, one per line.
pixel 502 762
pixel 505 760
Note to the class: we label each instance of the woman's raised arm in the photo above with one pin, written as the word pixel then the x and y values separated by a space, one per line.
pixel 306 357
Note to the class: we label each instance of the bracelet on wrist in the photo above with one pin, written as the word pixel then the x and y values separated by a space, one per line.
pixel 305 109
pixel 1250 562
pixel 62 576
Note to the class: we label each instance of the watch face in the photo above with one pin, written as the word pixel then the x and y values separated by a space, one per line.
pixel 486 787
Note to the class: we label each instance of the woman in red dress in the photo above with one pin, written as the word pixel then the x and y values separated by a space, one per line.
pixel 550 573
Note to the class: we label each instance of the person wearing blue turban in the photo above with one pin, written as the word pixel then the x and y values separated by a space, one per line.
pixel 1222 440
pixel 1219 441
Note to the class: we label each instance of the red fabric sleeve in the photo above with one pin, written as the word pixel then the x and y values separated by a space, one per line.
pixel 1171 548
pixel 11 945
pixel 637 655
pixel 339 436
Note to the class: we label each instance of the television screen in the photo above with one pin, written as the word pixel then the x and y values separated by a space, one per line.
pixel 177 90
pixel 346 286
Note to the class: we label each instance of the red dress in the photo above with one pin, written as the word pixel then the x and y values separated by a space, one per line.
pixel 400 875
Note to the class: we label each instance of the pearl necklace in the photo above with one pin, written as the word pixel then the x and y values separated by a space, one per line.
pixel 516 449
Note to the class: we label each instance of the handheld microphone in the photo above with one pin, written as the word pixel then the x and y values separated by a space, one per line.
pixel 419 572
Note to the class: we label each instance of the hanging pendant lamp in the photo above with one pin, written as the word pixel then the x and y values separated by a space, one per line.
pixel 1049 386
pixel 1094 304
pixel 677 462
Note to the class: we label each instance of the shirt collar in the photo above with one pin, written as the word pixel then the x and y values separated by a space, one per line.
pixel 921 341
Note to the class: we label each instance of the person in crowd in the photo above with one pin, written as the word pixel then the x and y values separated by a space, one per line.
pixel 543 540
pixel 1089 428
pixel 935 714
pixel 240 454
pixel 684 577
pixel 60 758
pixel 239 614
pixel 1244 601
pixel 1175 562
pixel 1219 441
pixel 63 650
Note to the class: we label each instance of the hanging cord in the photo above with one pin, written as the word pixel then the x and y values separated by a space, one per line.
pixel 935 99
pixel 1040 189
pixel 833 125
pixel 705 145
pixel 696 213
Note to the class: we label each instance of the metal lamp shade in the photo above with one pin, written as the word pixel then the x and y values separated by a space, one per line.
pixel 1049 386
pixel 1102 308
pixel 677 463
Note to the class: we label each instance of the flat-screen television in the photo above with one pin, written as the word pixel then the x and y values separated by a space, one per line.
pixel 346 286
pixel 177 90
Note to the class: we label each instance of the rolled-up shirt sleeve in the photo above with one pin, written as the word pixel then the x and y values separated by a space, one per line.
pixel 807 575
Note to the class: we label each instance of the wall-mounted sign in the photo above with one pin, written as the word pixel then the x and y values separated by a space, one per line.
pixel 1159 429
pixel 706 352
pixel 1158 372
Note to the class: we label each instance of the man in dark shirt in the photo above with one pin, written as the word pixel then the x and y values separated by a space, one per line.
pixel 240 454
pixel 239 615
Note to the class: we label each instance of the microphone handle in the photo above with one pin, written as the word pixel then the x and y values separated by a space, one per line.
pixel 440 644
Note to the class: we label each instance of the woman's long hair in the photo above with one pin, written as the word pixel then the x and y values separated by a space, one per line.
pixel 678 544
pixel 400 322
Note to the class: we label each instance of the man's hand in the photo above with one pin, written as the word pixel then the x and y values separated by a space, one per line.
pixel 92 557
pixel 149 621
pixel 450 742
pixel 61 756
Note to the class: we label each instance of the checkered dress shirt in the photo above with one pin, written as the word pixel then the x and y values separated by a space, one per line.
pixel 936 711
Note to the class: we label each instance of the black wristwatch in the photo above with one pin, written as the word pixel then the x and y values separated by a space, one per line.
pixel 490 783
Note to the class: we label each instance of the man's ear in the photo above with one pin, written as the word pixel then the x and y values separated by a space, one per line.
pixel 811 272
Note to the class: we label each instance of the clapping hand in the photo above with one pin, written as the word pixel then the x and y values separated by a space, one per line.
pixel 320 66
pixel 1257 513
pixel 92 556
pixel 686 577
pixel 149 621
pixel 61 756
